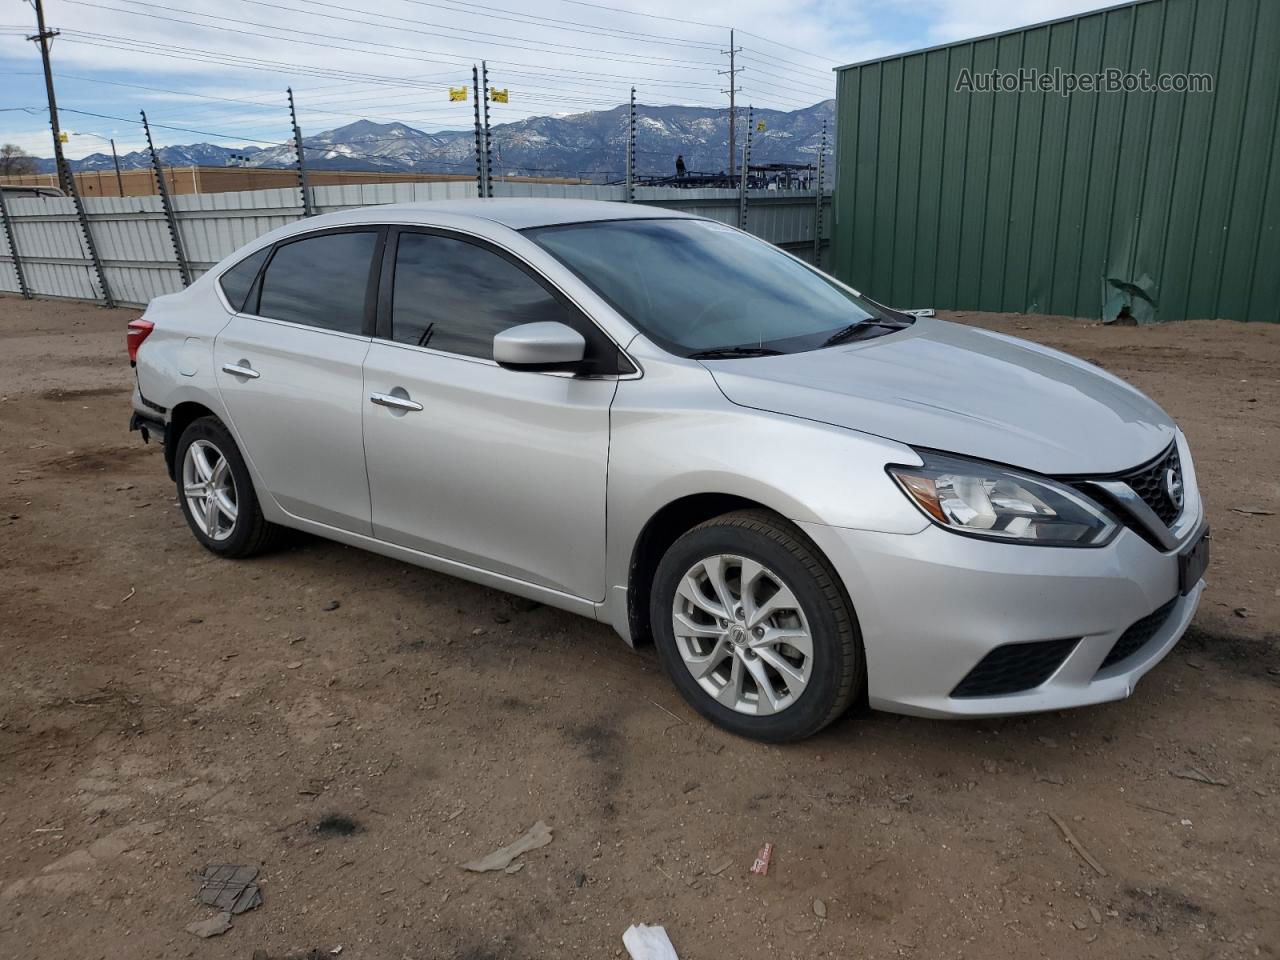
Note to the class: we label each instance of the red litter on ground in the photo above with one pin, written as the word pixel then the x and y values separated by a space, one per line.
pixel 761 867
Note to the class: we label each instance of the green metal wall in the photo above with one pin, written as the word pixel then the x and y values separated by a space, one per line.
pixel 1036 203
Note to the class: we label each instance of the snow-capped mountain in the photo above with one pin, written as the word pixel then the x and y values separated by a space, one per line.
pixel 589 145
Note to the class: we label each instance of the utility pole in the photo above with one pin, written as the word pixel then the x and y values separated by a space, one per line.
pixel 43 37
pixel 746 165
pixel 631 150
pixel 175 237
pixel 487 190
pixel 303 187
pixel 65 176
pixel 733 90
pixel 115 158
pixel 480 138
pixel 817 209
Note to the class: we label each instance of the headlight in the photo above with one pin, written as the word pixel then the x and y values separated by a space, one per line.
pixel 987 501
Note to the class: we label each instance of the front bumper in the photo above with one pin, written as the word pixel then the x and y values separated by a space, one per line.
pixel 932 605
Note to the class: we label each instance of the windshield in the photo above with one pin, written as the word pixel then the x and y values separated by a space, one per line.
pixel 699 288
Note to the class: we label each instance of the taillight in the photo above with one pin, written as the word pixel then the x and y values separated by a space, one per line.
pixel 138 331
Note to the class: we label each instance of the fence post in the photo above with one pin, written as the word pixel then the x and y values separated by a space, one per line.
pixel 488 154
pixel 480 144
pixel 170 217
pixel 746 160
pixel 817 207
pixel 631 150
pixel 87 233
pixel 12 240
pixel 308 209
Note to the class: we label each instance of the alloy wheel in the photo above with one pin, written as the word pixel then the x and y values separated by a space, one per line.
pixel 742 634
pixel 210 490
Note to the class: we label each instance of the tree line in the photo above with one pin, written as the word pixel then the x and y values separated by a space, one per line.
pixel 15 161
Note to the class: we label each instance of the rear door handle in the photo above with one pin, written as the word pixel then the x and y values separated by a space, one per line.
pixel 394 402
pixel 241 371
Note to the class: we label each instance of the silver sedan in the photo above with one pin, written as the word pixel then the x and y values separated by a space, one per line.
pixel 799 495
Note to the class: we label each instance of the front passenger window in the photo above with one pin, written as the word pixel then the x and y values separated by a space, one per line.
pixel 454 296
pixel 320 281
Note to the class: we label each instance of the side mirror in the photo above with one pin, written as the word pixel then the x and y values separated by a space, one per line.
pixel 545 345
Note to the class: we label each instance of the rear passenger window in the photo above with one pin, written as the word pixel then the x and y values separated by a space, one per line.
pixel 237 282
pixel 320 281
pixel 454 296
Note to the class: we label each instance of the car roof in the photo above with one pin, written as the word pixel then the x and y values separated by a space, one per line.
pixel 518 213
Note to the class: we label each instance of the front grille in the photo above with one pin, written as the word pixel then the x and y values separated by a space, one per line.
pixel 1151 483
pixel 1138 635
pixel 1014 667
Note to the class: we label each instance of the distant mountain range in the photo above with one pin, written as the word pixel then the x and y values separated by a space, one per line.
pixel 588 145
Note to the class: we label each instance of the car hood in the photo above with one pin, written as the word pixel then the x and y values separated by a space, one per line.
pixel 963 390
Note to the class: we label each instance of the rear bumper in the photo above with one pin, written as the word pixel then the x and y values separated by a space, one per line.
pixel 932 605
pixel 148 426
pixel 148 417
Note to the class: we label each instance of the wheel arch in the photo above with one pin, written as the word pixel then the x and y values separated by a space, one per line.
pixel 181 417
pixel 662 529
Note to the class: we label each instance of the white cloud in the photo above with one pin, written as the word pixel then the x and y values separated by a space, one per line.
pixel 962 19
pixel 395 59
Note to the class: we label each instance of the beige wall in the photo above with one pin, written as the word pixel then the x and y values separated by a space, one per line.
pixel 141 183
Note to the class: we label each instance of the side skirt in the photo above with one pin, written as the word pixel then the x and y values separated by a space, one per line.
pixel 521 588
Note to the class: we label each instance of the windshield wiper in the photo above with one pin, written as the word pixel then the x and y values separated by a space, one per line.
pixel 846 333
pixel 721 353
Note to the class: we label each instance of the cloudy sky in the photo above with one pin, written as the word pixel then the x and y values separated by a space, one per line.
pixel 216 70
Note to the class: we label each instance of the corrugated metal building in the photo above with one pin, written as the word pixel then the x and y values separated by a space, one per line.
pixel 1164 203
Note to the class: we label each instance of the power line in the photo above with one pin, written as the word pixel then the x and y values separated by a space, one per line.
pixel 778 81
pixel 694 23
pixel 779 43
pixel 487 36
pixel 253 64
pixel 165 126
pixel 417 52
pixel 116 42
pixel 651 16
pixel 773 95
pixel 569 25
pixel 817 72
pixel 307 107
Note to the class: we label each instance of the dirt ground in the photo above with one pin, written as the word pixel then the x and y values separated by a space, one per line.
pixel 161 709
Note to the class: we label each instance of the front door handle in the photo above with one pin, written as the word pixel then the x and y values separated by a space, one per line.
pixel 394 402
pixel 238 370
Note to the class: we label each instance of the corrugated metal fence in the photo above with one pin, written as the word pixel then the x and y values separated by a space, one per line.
pixel 1165 203
pixel 138 258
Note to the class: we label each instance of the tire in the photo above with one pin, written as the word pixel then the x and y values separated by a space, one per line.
pixel 820 683
pixel 247 532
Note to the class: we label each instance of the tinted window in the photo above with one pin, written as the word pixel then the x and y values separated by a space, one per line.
pixel 454 296
pixel 320 281
pixel 694 286
pixel 237 281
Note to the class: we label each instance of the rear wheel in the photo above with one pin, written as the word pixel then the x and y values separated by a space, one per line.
pixel 216 492
pixel 754 629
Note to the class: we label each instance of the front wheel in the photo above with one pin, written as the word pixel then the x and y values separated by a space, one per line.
pixel 216 492
pixel 752 626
